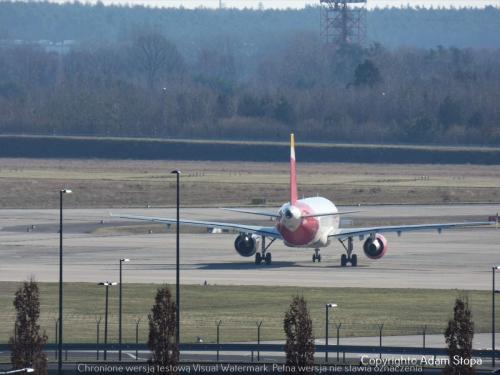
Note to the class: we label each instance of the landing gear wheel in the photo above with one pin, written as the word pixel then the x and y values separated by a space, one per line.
pixel 268 258
pixel 354 260
pixel 314 258
pixel 319 258
pixel 343 260
pixel 258 258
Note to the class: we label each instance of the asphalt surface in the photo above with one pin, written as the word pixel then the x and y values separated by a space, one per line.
pixel 459 259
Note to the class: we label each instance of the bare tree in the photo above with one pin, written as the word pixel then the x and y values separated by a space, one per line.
pixel 459 335
pixel 154 54
pixel 164 348
pixel 299 347
pixel 27 342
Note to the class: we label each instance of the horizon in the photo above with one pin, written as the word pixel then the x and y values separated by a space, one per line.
pixel 282 4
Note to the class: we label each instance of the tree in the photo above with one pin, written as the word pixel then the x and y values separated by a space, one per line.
pixel 223 106
pixel 154 54
pixel 450 112
pixel 422 129
pixel 27 342
pixel 284 111
pixel 251 106
pixel 299 347
pixel 367 74
pixel 164 349
pixel 459 335
pixel 218 63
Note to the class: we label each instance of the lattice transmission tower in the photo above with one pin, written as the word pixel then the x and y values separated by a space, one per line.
pixel 343 22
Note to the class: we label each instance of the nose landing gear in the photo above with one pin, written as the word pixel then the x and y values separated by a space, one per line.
pixel 316 256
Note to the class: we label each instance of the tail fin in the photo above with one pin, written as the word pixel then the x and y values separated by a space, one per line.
pixel 293 172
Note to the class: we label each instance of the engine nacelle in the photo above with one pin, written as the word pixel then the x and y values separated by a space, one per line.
pixel 375 248
pixel 246 244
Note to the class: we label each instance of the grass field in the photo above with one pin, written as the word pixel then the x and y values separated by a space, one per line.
pixel 403 312
pixel 33 183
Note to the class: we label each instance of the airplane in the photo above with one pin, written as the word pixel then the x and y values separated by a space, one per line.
pixel 307 223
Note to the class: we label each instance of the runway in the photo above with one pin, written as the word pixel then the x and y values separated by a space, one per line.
pixel 456 259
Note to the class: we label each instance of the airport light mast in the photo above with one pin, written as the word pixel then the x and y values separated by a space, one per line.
pixel 122 260
pixel 60 344
pixel 493 292
pixel 107 284
pixel 177 268
pixel 327 307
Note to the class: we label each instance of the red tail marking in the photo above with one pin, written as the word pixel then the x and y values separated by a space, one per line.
pixel 293 172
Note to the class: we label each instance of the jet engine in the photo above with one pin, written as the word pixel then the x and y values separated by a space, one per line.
pixel 246 244
pixel 375 247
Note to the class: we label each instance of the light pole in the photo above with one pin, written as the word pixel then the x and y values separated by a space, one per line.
pixel 28 369
pixel 339 325
pixel 259 324
pixel 60 342
pixel 327 307
pixel 380 329
pixel 177 276
pixel 56 336
pixel 137 322
pixel 120 311
pixel 107 284
pixel 98 326
pixel 218 324
pixel 493 291
pixel 423 335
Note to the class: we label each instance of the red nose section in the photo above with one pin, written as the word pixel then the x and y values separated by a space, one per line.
pixel 306 231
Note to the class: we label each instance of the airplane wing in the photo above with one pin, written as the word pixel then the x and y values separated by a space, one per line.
pixel 344 233
pixel 264 231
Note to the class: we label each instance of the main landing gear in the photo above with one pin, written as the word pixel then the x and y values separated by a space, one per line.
pixel 316 256
pixel 264 256
pixel 349 257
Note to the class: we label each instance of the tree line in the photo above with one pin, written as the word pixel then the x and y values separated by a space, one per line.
pixel 144 86
pixel 253 30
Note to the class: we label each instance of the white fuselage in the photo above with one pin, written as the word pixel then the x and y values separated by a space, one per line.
pixel 300 229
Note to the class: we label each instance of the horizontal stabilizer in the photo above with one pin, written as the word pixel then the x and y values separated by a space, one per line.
pixel 331 214
pixel 268 214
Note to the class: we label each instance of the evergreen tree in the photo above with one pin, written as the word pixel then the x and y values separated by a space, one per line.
pixel 459 335
pixel 367 74
pixel 161 342
pixel 299 347
pixel 27 343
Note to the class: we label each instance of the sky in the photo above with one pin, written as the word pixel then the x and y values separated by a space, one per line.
pixel 293 3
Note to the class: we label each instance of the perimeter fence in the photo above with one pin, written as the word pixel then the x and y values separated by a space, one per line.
pixel 91 330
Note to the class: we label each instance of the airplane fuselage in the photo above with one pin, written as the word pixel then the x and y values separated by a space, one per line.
pixel 298 229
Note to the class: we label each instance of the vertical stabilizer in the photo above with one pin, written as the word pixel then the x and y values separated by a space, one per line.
pixel 293 172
